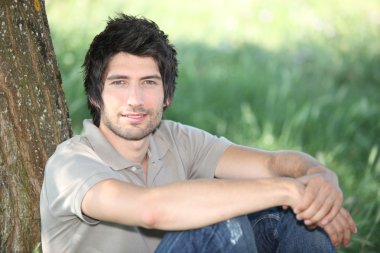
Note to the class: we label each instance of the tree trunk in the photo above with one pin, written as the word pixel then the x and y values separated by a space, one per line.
pixel 33 119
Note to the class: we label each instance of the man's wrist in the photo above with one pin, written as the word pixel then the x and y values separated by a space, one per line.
pixel 293 191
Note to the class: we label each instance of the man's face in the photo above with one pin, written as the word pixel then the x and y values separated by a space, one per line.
pixel 133 97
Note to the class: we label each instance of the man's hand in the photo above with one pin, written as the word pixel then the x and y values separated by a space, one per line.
pixel 322 200
pixel 340 229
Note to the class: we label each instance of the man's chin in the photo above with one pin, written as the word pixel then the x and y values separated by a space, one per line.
pixel 132 135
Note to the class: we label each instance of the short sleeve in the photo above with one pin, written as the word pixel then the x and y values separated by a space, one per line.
pixel 198 150
pixel 72 170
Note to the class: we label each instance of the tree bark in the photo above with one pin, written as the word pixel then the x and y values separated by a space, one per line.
pixel 33 119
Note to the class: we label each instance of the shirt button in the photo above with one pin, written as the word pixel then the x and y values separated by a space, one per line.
pixel 133 169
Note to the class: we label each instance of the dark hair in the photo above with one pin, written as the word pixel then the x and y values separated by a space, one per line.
pixel 133 35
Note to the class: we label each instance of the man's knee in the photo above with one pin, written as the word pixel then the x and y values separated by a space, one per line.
pixel 238 228
pixel 236 234
pixel 278 229
pixel 233 235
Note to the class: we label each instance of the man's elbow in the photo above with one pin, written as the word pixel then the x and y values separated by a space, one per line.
pixel 152 211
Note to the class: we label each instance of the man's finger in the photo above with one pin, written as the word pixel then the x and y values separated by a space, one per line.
pixel 311 191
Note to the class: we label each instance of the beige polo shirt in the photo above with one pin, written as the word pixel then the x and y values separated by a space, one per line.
pixel 176 152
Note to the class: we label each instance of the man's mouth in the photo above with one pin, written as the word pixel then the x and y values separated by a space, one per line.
pixel 134 115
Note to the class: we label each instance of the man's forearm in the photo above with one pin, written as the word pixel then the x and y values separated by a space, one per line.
pixel 187 204
pixel 294 164
pixel 198 203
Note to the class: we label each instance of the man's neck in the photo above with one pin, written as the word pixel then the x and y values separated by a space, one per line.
pixel 134 151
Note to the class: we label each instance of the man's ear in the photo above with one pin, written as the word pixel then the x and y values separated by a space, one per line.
pixel 167 102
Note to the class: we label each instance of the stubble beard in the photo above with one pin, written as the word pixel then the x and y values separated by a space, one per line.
pixel 135 132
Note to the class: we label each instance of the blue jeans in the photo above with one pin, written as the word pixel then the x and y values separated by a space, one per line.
pixel 273 230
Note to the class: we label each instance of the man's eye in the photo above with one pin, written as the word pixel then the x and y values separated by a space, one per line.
pixel 149 82
pixel 118 82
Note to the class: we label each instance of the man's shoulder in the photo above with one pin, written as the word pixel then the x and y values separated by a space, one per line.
pixel 77 146
pixel 76 143
pixel 178 132
pixel 174 127
pixel 167 123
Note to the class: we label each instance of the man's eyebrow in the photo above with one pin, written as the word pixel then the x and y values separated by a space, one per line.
pixel 155 76
pixel 114 77
pixel 117 76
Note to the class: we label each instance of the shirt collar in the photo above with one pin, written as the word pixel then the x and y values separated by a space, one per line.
pixel 158 147
pixel 103 148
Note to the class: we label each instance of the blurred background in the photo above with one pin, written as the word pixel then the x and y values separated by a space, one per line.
pixel 272 74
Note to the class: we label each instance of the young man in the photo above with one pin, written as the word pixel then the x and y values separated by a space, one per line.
pixel 136 183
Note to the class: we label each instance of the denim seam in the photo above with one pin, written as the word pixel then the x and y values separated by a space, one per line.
pixel 268 216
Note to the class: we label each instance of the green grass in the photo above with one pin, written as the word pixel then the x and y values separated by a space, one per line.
pixel 272 74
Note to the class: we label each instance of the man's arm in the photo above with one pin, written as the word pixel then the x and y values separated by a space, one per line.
pixel 322 199
pixel 241 161
pixel 187 204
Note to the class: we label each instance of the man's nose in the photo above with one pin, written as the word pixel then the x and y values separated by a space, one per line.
pixel 135 96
